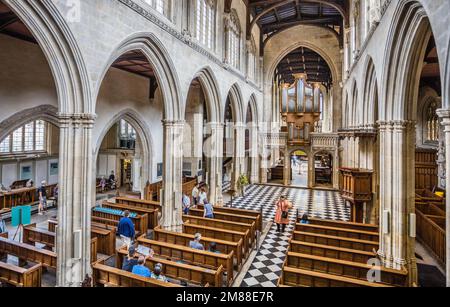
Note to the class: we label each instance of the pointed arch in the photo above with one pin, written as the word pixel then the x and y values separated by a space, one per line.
pixel 370 94
pixel 237 105
pixel 155 52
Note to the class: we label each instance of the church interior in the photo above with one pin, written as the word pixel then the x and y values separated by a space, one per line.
pixel 224 143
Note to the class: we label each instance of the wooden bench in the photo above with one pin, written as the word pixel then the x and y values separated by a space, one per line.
pixel 352 255
pixel 368 246
pixel 344 268
pixel 192 256
pixel 241 212
pixel 430 209
pixel 341 224
pixel 431 233
pixel 302 278
pixel 140 221
pixel 26 252
pixel 111 277
pixel 227 217
pixel 179 271
pixel 139 203
pixel 220 234
pixel 152 213
pixel 106 236
pixel 339 232
pixel 21 277
pixel 225 225
pixel 33 235
pixel 184 239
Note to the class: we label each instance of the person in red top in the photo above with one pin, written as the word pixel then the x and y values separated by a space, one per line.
pixel 282 214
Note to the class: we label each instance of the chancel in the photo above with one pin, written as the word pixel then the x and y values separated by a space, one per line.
pixel 225 143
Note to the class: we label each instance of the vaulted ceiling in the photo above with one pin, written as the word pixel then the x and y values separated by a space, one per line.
pixel 274 16
pixel 306 61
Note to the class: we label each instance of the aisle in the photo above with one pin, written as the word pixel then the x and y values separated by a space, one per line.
pixel 266 267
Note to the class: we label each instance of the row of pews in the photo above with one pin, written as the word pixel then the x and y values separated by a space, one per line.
pixel 20 196
pixel 431 223
pixel 234 232
pixel 336 254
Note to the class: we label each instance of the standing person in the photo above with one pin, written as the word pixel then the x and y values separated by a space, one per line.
pixel 103 184
pixel 202 196
pixel 208 210
pixel 195 193
pixel 126 229
pixel 282 213
pixel 42 193
pixel 186 204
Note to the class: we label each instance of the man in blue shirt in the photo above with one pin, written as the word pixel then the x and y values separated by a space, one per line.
pixel 140 269
pixel 196 243
pixel 126 229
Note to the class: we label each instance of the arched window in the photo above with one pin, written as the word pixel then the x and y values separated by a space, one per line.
pixel 205 20
pixel 252 69
pixel 26 139
pixel 233 39
pixel 432 123
pixel 127 132
pixel 161 6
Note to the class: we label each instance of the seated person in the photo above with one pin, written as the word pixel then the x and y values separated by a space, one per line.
pixel 156 274
pixel 140 269
pixel 196 243
pixel 130 261
pixel 213 248
pixel 305 219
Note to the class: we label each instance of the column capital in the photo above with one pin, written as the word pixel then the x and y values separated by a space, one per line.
pixel 173 123
pixel 77 118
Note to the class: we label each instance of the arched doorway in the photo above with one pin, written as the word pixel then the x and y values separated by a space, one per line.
pixel 323 169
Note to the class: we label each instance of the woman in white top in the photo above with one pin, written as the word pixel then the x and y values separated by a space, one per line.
pixel 202 196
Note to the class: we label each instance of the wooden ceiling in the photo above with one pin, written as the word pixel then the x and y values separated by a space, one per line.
pixel 11 25
pixel 274 16
pixel 431 71
pixel 304 60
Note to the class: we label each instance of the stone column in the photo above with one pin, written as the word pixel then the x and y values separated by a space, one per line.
pixel 73 244
pixel 397 196
pixel 239 154
pixel 445 116
pixel 172 175
pixel 214 151
pixel 254 155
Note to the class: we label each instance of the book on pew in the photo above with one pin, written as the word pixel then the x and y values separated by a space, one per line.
pixel 145 251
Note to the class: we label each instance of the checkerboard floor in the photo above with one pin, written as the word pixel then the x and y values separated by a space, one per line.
pixel 265 270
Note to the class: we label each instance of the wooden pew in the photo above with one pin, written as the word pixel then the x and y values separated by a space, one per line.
pixel 236 211
pixel 226 217
pixel 32 235
pixel 111 277
pixel 368 246
pixel 341 224
pixel 21 277
pixel 27 252
pixel 226 225
pixel 302 278
pixel 339 232
pixel 152 213
pixel 430 209
pixel 139 203
pixel 352 255
pixel 220 234
pixel 344 268
pixel 179 271
pixel 184 239
pixel 140 222
pixel 192 256
pixel 432 235
pixel 106 236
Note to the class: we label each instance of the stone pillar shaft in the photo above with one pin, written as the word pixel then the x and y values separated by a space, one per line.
pixel 172 176
pixel 216 159
pixel 73 244
pixel 239 154
pixel 445 116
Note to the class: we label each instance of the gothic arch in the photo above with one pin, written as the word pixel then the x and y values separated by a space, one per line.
pixel 165 72
pixel 211 90
pixel 236 100
pixel 253 107
pixel 370 94
pixel 47 113
pixel 56 41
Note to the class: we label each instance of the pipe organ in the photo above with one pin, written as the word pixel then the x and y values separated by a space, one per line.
pixel 301 106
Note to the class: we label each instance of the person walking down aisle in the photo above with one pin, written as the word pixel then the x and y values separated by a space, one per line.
pixel 42 192
pixel 209 210
pixel 202 197
pixel 282 214
pixel 195 192
pixel 186 204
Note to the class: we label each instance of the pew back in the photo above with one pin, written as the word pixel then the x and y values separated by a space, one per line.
pixel 20 277
pixel 339 232
pixel 368 246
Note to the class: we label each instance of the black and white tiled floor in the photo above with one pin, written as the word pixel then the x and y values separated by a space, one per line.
pixel 267 265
